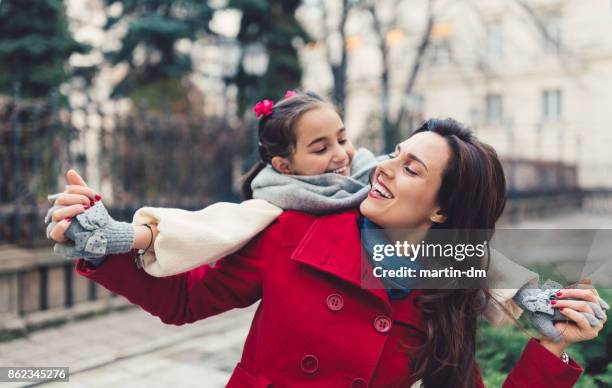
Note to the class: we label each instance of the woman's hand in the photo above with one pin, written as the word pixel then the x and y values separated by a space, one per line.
pixel 73 201
pixel 91 231
pixel 584 301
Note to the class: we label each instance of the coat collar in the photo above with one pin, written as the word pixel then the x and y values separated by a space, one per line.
pixel 332 245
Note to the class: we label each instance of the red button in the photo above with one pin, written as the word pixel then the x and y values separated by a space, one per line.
pixel 359 383
pixel 382 323
pixel 335 302
pixel 310 364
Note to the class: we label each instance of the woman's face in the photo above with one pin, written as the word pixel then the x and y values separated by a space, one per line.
pixel 321 146
pixel 405 187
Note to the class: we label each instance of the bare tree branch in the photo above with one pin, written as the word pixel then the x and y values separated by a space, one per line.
pixel 418 60
pixel 535 18
pixel 563 55
pixel 381 33
pixel 338 69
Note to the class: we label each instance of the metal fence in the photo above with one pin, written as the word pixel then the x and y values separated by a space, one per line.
pixel 139 157
pixel 524 175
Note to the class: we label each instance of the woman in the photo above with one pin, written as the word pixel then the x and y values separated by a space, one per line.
pixel 316 325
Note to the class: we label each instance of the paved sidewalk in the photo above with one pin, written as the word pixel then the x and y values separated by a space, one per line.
pixel 132 348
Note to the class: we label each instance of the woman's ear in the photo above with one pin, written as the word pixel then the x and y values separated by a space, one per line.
pixel 438 217
pixel 281 165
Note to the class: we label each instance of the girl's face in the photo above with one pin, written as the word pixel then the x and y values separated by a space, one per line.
pixel 405 187
pixel 321 146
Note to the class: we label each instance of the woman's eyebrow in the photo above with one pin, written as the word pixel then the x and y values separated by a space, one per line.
pixel 398 150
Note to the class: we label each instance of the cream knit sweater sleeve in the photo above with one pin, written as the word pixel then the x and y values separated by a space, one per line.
pixel 510 277
pixel 189 239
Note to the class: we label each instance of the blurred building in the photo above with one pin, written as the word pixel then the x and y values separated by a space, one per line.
pixel 533 77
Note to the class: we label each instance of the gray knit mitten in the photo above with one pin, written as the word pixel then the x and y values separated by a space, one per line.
pixel 536 302
pixel 95 234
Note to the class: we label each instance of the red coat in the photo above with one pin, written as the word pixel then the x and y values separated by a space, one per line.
pixel 315 326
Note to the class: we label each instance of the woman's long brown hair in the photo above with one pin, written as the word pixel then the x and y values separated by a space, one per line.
pixel 472 196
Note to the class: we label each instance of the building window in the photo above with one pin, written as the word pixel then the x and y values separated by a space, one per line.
pixel 441 54
pixel 552 36
pixel 494 40
pixel 494 109
pixel 415 103
pixel 414 113
pixel 441 35
pixel 551 105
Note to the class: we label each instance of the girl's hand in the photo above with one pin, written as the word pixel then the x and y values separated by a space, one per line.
pixel 73 201
pixel 580 329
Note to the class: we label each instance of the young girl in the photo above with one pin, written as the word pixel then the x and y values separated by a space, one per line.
pixel 307 163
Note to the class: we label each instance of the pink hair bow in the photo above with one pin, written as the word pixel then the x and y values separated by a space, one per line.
pixel 263 108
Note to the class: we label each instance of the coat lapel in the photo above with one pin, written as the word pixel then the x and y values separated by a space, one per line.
pixel 332 245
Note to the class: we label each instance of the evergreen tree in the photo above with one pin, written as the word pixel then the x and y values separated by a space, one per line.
pixel 35 44
pixel 155 26
pixel 273 24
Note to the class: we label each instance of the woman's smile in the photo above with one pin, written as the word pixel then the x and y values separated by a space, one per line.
pixel 380 190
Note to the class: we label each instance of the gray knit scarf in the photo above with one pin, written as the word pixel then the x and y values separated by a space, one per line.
pixel 324 193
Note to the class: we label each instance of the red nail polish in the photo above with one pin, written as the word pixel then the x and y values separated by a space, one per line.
pixel 559 293
pixel 86 207
pixel 68 219
pixel 91 203
pixel 553 302
pixel 97 198
pixel 561 309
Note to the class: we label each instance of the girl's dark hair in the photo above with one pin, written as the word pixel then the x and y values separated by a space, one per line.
pixel 276 132
pixel 472 196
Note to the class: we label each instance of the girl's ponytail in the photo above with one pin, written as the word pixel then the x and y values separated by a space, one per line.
pixel 245 188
